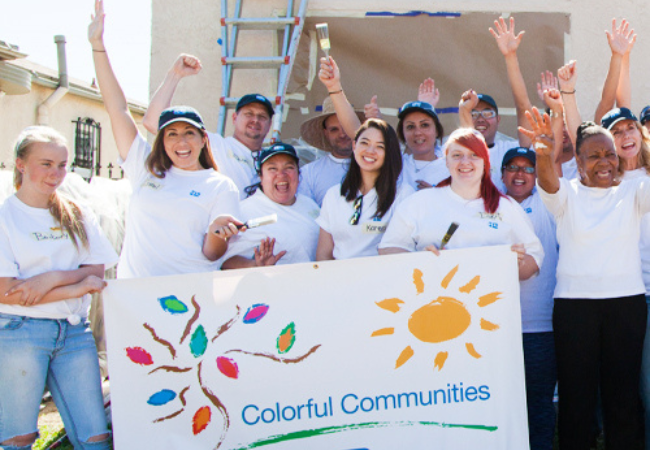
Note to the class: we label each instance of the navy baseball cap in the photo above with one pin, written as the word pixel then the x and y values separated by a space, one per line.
pixel 180 114
pixel 276 149
pixel 645 115
pixel 255 98
pixel 616 115
pixel 489 100
pixel 425 107
pixel 511 154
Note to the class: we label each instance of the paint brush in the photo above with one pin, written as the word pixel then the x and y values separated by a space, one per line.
pixel 323 32
pixel 258 222
pixel 450 232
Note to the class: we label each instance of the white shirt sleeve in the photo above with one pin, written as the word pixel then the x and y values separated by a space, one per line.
pixel 556 203
pixel 100 250
pixel 8 265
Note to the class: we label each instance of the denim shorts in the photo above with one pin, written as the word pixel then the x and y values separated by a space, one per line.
pixel 35 353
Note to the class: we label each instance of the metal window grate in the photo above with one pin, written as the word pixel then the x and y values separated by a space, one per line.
pixel 87 147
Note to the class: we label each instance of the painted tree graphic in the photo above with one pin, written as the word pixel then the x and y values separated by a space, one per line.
pixel 197 345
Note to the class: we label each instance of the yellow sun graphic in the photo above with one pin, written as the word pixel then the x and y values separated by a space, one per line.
pixel 440 320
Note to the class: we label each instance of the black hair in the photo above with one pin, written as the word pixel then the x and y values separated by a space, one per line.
pixel 586 130
pixel 440 132
pixel 386 184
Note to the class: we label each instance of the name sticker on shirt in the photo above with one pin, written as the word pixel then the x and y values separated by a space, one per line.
pixel 374 228
pixel 491 216
pixel 152 184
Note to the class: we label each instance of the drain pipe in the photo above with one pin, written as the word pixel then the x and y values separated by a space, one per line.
pixel 62 89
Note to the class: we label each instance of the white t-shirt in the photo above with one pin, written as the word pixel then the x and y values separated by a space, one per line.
pixel 644 242
pixel 570 169
pixel 424 218
pixel 353 241
pixel 598 234
pixel 168 217
pixel 295 231
pixel 317 177
pixel 32 243
pixel 433 172
pixel 234 160
pixel 537 292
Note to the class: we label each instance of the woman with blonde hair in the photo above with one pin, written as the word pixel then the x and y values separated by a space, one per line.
pixel 52 256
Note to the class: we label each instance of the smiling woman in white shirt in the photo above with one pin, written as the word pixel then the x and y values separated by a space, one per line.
pixel 599 316
pixel 470 199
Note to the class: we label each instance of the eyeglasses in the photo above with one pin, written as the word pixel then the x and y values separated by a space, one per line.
pixel 486 114
pixel 358 206
pixel 512 168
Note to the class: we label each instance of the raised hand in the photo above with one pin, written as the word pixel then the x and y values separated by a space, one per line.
pixel 186 65
pixel 96 27
pixel 329 74
pixel 567 76
pixel 541 133
pixel 553 100
pixel 507 41
pixel 622 38
pixel 547 81
pixel 371 110
pixel 468 101
pixel 428 93
pixel 264 253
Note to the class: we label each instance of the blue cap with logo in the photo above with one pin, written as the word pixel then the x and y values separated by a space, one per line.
pixel 524 152
pixel 180 114
pixel 425 107
pixel 255 98
pixel 645 115
pixel 489 100
pixel 276 149
pixel 615 116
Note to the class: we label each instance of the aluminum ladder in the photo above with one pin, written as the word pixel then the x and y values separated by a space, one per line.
pixel 292 26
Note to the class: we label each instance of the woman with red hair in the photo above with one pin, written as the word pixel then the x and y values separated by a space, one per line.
pixel 470 199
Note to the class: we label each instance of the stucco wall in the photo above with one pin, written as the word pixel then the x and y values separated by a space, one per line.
pixel 20 111
pixel 193 26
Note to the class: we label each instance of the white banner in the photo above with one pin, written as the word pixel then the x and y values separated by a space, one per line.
pixel 409 351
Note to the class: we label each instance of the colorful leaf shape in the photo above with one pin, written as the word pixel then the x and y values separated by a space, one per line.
pixel 198 342
pixel 162 397
pixel 173 305
pixel 139 356
pixel 287 338
pixel 255 313
pixel 201 419
pixel 228 367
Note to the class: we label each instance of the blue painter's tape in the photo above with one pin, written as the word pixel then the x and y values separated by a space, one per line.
pixel 412 14
pixel 453 110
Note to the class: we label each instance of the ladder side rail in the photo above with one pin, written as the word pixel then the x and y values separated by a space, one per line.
pixel 225 72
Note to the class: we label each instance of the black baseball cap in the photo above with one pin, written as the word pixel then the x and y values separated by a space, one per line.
pixel 180 114
pixel 425 107
pixel 276 149
pixel 255 98
pixel 645 115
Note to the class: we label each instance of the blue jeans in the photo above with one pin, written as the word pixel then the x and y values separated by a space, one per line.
pixel 645 378
pixel 541 376
pixel 39 352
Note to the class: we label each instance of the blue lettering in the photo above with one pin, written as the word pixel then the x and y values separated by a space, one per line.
pixel 470 393
pixel 284 415
pixel 368 408
pixel 269 410
pixel 485 391
pixel 343 407
pixel 243 415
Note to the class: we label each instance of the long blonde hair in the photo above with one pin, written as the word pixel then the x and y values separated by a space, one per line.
pixel 64 210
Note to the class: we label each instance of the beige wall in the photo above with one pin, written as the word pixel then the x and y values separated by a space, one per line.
pixel 20 111
pixel 193 26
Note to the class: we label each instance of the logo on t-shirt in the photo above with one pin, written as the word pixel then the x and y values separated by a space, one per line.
pixel 50 235
pixel 195 194
pixel 152 184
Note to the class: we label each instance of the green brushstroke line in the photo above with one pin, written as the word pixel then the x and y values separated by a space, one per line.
pixel 360 426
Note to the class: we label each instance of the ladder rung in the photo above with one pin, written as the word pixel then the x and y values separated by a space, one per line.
pixel 251 62
pixel 271 23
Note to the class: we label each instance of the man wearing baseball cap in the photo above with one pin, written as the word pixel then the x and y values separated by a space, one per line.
pixel 644 117
pixel 325 133
pixel 234 155
pixel 536 298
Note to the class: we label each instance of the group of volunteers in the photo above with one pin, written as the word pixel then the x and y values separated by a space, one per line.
pixel 571 199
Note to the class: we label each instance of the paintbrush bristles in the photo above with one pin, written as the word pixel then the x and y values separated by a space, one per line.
pixel 323 33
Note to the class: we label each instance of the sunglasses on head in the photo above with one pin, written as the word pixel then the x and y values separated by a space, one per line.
pixel 358 206
pixel 486 114
pixel 513 168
